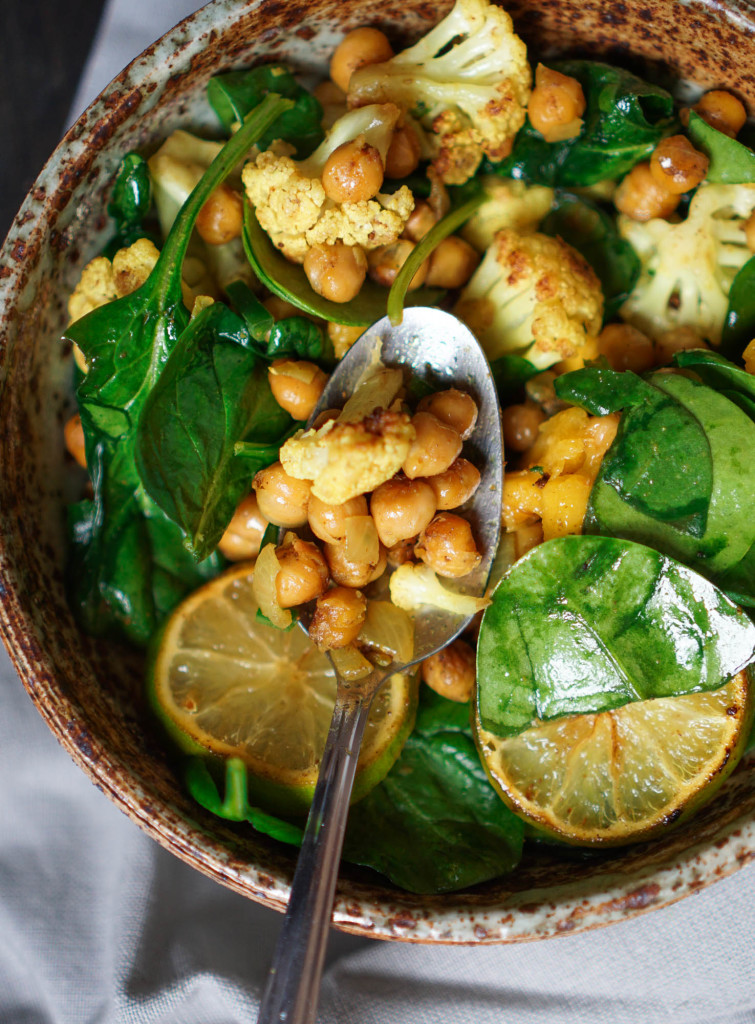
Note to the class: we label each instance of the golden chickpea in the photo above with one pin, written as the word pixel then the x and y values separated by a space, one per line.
pixel 403 153
pixel 520 425
pixel 353 172
pixel 640 196
pixel 722 111
pixel 244 533
pixel 401 552
pixel 452 263
pixel 678 339
pixel 676 165
pixel 422 218
pixel 282 499
pixel 434 448
pixel 451 672
pixel 456 485
pixel 347 573
pixel 336 272
pixel 626 348
pixel 556 105
pixel 453 408
pixel 401 509
pixel 303 573
pixel 343 337
pixel 73 435
pixel 386 261
pixel 328 522
pixel 360 47
pixel 296 386
pixel 448 546
pixel 338 619
pixel 222 217
pixel 329 94
pixel 280 308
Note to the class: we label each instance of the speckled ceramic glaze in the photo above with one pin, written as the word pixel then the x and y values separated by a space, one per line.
pixel 90 693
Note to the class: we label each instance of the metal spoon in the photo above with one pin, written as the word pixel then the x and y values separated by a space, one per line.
pixel 443 353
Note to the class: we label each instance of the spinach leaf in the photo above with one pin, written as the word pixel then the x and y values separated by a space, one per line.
pixel 212 393
pixel 582 625
pixel 234 804
pixel 717 372
pixel 731 163
pixel 292 336
pixel 739 325
pixel 592 232
pixel 435 824
pixel 233 95
pixel 130 203
pixel 510 374
pixel 624 120
pixel 677 475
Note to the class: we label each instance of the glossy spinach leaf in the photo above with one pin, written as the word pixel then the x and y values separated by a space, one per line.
pixel 233 95
pixel 435 824
pixel 234 804
pixel 731 163
pixel 584 624
pixel 296 336
pixel 212 394
pixel 719 373
pixel 289 282
pixel 130 203
pixel 739 325
pixel 510 374
pixel 624 119
pixel 592 232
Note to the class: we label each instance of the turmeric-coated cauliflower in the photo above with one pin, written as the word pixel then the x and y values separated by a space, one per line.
pixel 344 460
pixel 102 281
pixel 291 204
pixel 688 267
pixel 414 586
pixel 508 203
pixel 467 81
pixel 532 296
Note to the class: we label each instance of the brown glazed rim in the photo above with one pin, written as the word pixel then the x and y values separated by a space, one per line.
pixel 68 676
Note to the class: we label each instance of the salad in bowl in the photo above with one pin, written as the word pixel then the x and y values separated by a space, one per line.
pixel 596 233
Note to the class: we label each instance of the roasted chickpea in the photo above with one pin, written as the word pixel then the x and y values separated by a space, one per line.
pixel 360 47
pixel 73 435
pixel 282 499
pixel 722 111
pixel 386 261
pixel 676 340
pixel 676 165
pixel 296 386
pixel 244 533
pixel 401 508
pixel 343 337
pixel 456 485
pixel 556 105
pixel 640 196
pixel 448 546
pixel 452 263
pixel 422 218
pixel 520 425
pixel 403 153
pixel 280 308
pixel 353 574
pixel 402 552
pixel 222 217
pixel 451 672
pixel 434 448
pixel 353 172
pixel 626 348
pixel 303 573
pixel 328 522
pixel 454 408
pixel 336 272
pixel 338 619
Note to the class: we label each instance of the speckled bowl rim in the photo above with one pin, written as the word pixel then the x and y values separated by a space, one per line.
pixel 468 917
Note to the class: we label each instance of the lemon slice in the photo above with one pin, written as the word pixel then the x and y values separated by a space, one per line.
pixel 227 685
pixel 620 776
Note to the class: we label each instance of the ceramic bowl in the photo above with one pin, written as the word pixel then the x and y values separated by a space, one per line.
pixel 89 692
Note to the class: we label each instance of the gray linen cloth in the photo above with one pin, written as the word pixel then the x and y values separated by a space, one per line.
pixel 99 925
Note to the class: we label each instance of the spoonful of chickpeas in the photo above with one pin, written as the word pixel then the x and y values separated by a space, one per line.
pixel 394 490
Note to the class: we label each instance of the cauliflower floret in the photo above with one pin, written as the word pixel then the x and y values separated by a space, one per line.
pixel 467 81
pixel 509 203
pixel 96 288
pixel 534 296
pixel 416 585
pixel 344 460
pixel 688 268
pixel 290 201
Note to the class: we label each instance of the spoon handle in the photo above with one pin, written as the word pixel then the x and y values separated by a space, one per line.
pixel 293 985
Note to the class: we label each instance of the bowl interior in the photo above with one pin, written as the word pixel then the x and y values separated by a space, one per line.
pixel 90 692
